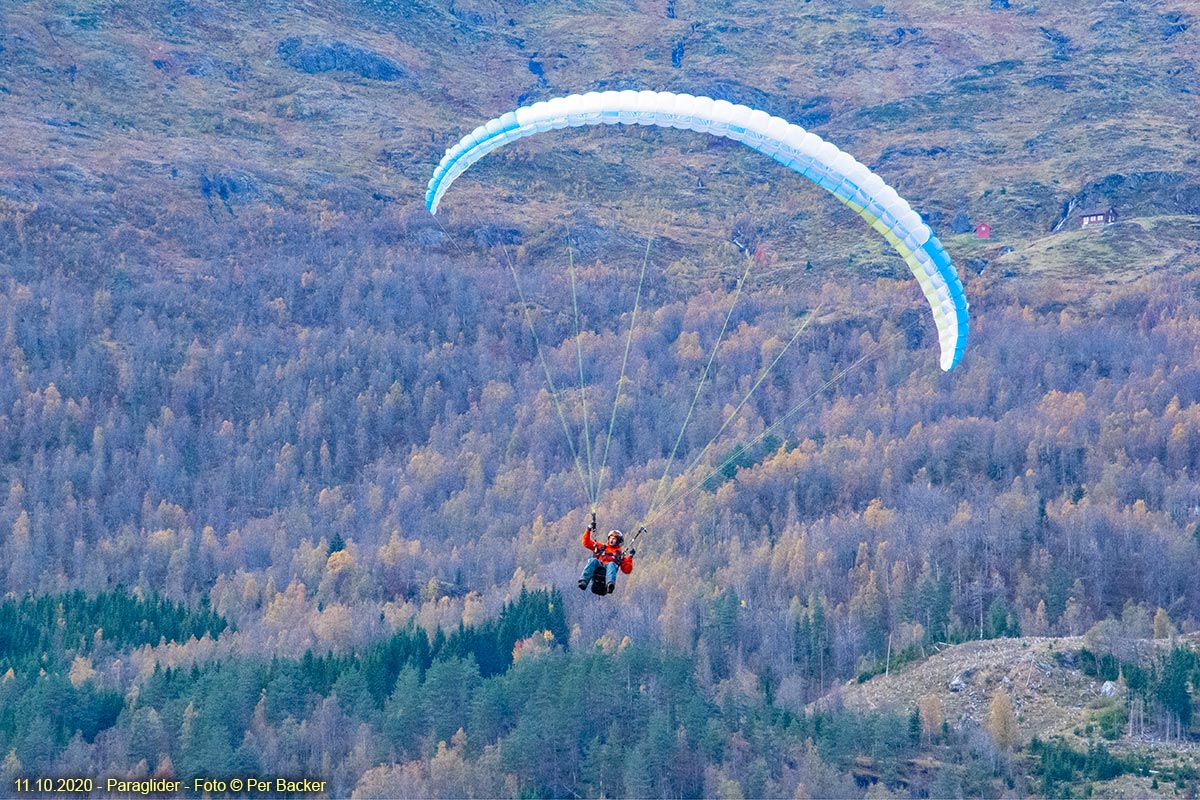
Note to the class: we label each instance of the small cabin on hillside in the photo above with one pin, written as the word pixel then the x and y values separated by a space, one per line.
pixel 1098 217
pixel 983 231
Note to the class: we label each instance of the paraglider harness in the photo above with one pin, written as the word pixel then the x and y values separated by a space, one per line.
pixel 599 582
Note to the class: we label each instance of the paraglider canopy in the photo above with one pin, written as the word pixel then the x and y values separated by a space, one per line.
pixel 797 149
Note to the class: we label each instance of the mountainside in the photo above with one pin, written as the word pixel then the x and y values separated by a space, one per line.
pixel 1021 116
pixel 245 375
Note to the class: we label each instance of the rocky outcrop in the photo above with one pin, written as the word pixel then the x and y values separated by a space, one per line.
pixel 476 12
pixel 231 188
pixel 330 56
pixel 1061 47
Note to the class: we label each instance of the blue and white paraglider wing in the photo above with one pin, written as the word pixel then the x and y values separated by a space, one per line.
pixel 797 149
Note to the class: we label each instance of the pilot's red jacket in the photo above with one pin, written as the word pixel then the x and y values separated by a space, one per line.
pixel 606 554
